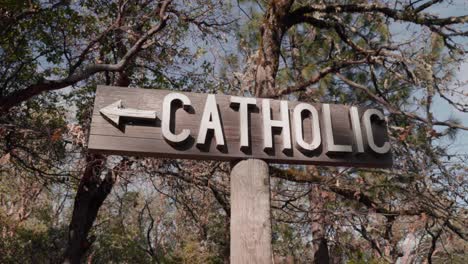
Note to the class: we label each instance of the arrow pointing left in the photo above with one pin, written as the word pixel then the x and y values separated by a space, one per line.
pixel 115 110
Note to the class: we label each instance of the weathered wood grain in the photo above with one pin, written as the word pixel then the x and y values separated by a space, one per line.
pixel 144 138
pixel 250 213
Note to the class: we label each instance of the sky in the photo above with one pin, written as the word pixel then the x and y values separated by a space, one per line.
pixel 442 110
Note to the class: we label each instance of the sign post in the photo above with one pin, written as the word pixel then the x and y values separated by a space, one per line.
pixel 250 225
pixel 248 132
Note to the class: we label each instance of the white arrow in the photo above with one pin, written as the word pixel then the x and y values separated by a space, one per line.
pixel 115 110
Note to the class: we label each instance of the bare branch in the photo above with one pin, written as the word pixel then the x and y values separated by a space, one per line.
pixel 394 110
pixel 336 67
pixel 17 97
pixel 403 15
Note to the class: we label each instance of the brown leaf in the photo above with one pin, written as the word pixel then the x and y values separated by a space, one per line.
pixel 5 159
pixel 434 133
pixel 423 217
pixel 357 195
pixel 57 135
pixel 405 133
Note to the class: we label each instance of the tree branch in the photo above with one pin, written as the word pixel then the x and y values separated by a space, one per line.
pixel 335 67
pixel 7 102
pixel 403 15
pixel 367 201
pixel 395 110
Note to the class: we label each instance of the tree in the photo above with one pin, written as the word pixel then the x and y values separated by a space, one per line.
pixel 54 53
pixel 348 50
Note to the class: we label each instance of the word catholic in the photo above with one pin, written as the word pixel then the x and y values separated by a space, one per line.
pixel 162 123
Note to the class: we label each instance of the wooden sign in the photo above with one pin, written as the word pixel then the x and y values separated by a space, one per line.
pixel 172 124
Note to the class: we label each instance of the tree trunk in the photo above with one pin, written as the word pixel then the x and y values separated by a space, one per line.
pixel 90 195
pixel 272 31
pixel 92 191
pixel 319 241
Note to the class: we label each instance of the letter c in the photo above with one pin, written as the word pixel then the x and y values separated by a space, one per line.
pixel 366 119
pixel 166 117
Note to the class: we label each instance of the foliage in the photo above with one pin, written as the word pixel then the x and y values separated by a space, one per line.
pixel 395 55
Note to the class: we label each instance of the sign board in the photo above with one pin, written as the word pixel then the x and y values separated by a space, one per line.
pixel 173 124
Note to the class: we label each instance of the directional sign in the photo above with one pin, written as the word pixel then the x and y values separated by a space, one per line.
pixel 114 111
pixel 172 124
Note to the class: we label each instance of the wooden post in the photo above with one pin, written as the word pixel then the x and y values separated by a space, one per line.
pixel 250 213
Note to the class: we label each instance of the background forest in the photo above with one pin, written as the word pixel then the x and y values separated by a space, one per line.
pixel 60 204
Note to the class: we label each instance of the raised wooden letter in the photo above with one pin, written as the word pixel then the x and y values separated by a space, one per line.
pixel 211 120
pixel 316 139
pixel 356 124
pixel 366 119
pixel 243 103
pixel 269 124
pixel 166 118
pixel 331 146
